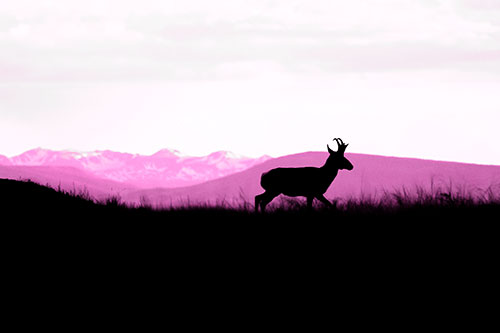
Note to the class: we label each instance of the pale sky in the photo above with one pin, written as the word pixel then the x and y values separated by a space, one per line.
pixel 402 78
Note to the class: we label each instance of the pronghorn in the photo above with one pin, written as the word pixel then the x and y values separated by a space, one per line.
pixel 309 182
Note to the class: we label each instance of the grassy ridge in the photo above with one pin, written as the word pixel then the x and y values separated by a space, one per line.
pixel 26 199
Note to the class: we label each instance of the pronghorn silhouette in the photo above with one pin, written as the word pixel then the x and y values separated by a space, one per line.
pixel 309 182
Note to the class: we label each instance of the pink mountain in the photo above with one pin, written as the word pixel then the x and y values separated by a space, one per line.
pixel 4 160
pixel 166 168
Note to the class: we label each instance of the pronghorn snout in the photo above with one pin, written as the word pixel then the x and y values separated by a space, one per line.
pixel 347 165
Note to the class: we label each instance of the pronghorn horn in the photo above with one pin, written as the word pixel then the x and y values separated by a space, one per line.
pixel 338 143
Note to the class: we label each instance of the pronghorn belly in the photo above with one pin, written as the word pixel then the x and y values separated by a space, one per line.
pixel 305 191
pixel 294 182
pixel 299 194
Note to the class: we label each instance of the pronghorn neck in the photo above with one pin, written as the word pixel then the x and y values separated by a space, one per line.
pixel 329 170
pixel 330 167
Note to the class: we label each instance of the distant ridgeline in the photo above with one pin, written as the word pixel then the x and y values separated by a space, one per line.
pixel 168 179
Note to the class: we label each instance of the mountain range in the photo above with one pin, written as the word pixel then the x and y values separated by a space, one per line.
pixel 166 168
pixel 169 178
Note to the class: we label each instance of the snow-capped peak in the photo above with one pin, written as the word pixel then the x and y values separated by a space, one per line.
pixel 167 153
pixel 224 154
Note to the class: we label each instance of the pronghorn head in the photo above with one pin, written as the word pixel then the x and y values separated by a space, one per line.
pixel 336 158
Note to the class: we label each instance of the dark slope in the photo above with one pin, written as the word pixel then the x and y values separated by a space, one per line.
pixel 46 218
pixel 58 243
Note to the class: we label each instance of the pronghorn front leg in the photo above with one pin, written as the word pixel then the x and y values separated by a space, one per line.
pixel 324 200
pixel 309 203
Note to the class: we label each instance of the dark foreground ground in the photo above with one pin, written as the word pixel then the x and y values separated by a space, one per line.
pixel 429 254
pixel 434 225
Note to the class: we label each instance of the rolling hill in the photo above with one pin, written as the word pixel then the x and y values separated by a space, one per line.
pixel 372 175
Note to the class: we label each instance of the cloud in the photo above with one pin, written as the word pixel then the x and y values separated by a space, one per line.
pixel 169 40
pixel 483 5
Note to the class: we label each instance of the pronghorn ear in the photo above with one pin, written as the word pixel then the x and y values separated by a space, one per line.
pixel 329 150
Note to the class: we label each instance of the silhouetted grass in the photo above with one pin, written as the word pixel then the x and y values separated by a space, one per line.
pixel 29 200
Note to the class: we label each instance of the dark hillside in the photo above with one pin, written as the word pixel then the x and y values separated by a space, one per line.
pixel 25 199
pixel 356 242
